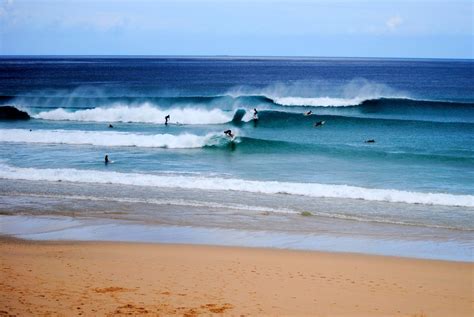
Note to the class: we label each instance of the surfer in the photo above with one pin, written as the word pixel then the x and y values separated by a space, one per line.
pixel 167 118
pixel 370 141
pixel 308 113
pixel 319 124
pixel 255 114
pixel 229 133
pixel 111 126
pixel 106 159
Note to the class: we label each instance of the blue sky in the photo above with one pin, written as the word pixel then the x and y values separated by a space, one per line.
pixel 435 29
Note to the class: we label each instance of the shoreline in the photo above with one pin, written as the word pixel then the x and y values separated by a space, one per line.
pixel 84 278
pixel 12 239
pixel 76 229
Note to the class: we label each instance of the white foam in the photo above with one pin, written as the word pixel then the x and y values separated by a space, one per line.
pixel 321 93
pixel 318 102
pixel 214 183
pixel 175 202
pixel 111 138
pixel 144 113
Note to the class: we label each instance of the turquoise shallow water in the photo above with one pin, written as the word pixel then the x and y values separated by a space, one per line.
pixel 418 172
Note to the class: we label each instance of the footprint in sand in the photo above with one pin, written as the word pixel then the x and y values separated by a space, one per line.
pixel 217 309
pixel 130 309
pixel 111 289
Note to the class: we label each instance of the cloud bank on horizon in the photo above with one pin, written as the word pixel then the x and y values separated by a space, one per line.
pixel 387 28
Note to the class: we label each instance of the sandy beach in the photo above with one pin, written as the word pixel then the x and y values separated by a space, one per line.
pixel 236 158
pixel 96 278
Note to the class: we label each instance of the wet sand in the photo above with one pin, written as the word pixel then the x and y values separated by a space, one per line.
pixel 98 278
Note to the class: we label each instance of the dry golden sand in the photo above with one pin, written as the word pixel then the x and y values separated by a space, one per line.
pixel 68 278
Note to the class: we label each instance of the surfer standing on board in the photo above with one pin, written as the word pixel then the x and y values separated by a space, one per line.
pixel 255 114
pixel 255 117
pixel 167 118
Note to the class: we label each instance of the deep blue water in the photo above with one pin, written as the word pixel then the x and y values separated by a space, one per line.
pixel 419 112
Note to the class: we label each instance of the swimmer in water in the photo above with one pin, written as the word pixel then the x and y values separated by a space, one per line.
pixel 167 118
pixel 106 159
pixel 229 133
pixel 319 124
pixel 308 113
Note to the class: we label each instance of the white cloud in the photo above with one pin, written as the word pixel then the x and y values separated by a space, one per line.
pixel 99 21
pixel 5 3
pixel 394 22
pixel 4 6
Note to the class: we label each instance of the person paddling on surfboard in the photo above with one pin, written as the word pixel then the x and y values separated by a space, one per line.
pixel 308 113
pixel 167 118
pixel 319 124
pixel 229 133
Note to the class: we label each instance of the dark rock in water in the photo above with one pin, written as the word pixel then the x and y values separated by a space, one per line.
pixel 12 113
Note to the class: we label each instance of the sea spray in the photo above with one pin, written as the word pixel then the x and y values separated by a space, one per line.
pixel 145 113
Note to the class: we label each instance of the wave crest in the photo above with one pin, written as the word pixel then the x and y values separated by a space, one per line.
pixel 215 183
pixel 322 93
pixel 318 102
pixel 108 138
pixel 145 113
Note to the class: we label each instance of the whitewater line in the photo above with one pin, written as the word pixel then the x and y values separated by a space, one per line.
pixel 211 183
pixel 145 113
pixel 112 138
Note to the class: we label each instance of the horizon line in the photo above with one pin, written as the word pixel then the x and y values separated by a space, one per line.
pixel 230 56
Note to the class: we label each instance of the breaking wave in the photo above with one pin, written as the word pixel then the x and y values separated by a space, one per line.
pixel 146 113
pixel 210 183
pixel 318 102
pixel 108 138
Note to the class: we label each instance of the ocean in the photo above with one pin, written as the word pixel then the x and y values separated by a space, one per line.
pixel 280 182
